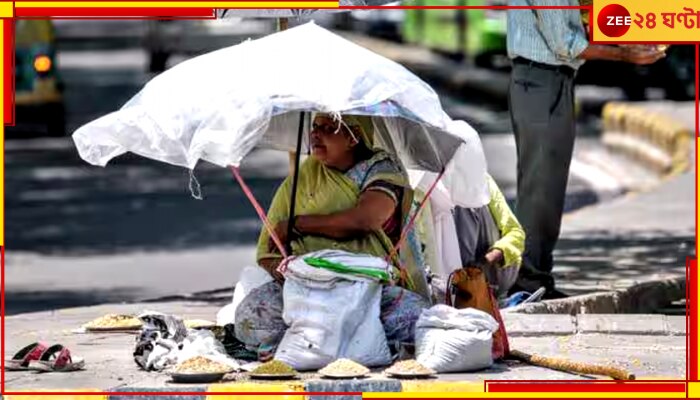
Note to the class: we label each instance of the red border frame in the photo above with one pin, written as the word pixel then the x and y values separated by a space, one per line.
pixel 499 386
pixel 508 386
pixel 692 321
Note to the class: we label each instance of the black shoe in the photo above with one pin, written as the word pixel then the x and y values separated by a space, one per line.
pixel 554 294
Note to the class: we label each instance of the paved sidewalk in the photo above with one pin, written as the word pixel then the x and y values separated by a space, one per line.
pixel 647 345
pixel 640 237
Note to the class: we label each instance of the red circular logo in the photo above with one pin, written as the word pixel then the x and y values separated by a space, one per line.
pixel 614 20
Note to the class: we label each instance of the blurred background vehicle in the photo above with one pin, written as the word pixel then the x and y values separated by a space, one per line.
pixel 478 37
pixel 385 24
pixel 38 87
pixel 165 38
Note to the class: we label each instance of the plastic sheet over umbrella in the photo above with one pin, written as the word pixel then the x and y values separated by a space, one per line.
pixel 219 106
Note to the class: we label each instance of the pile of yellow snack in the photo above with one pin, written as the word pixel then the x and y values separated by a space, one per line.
pixel 114 321
pixel 202 365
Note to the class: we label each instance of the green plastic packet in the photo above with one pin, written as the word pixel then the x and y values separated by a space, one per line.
pixel 344 269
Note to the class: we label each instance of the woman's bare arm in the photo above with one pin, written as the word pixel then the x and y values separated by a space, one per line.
pixel 373 209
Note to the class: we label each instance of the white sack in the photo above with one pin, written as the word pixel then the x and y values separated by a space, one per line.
pixel 451 340
pixel 331 317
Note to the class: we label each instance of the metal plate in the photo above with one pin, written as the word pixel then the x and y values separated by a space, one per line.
pixel 343 376
pixel 210 377
pixel 116 329
pixel 199 324
pixel 410 375
pixel 276 377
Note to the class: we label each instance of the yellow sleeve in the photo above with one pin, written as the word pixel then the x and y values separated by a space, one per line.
pixel 512 241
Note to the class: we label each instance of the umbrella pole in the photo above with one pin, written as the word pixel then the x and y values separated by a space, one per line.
pixel 282 25
pixel 295 179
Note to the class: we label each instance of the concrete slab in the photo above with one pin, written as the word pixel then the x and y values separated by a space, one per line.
pixel 362 386
pixel 539 325
pixel 155 396
pixel 622 324
pixel 642 297
pixel 676 325
pixel 643 356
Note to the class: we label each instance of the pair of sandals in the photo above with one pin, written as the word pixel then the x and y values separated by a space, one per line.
pixel 43 358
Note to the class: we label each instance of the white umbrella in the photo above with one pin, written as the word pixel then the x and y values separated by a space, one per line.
pixel 219 106
pixel 299 14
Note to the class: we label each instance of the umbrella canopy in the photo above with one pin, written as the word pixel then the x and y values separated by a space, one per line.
pixel 219 106
pixel 294 12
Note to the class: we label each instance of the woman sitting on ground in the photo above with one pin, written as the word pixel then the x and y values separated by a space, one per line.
pixel 349 197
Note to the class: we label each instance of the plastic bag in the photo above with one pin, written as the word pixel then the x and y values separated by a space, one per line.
pixel 330 316
pixel 203 343
pixel 251 278
pixel 159 341
pixel 184 115
pixel 451 340
pixel 165 341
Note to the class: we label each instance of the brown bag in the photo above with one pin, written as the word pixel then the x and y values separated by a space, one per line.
pixel 470 289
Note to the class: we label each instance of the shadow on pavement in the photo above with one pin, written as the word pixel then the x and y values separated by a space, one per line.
pixel 20 301
pixel 602 258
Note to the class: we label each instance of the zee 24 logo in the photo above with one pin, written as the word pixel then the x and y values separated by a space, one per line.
pixel 614 20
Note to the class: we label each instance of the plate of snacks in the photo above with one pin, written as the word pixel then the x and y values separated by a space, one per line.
pixel 199 324
pixel 344 369
pixel 114 323
pixel 409 369
pixel 273 370
pixel 199 370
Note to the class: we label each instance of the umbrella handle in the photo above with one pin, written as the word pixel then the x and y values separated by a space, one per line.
pixel 259 210
pixel 295 180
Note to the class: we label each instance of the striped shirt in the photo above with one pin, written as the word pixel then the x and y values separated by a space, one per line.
pixel 554 37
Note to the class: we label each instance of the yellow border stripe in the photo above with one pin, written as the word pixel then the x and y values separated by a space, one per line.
pixel 96 396
pixel 462 389
pixel 694 390
pixel 256 387
pixel 533 395
pixel 188 4
pixel 7 9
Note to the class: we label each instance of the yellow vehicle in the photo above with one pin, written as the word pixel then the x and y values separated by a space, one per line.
pixel 38 91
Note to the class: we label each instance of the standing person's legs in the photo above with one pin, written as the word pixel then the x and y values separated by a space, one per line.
pixel 542 113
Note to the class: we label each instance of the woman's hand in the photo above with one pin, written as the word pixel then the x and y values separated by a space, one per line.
pixel 494 258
